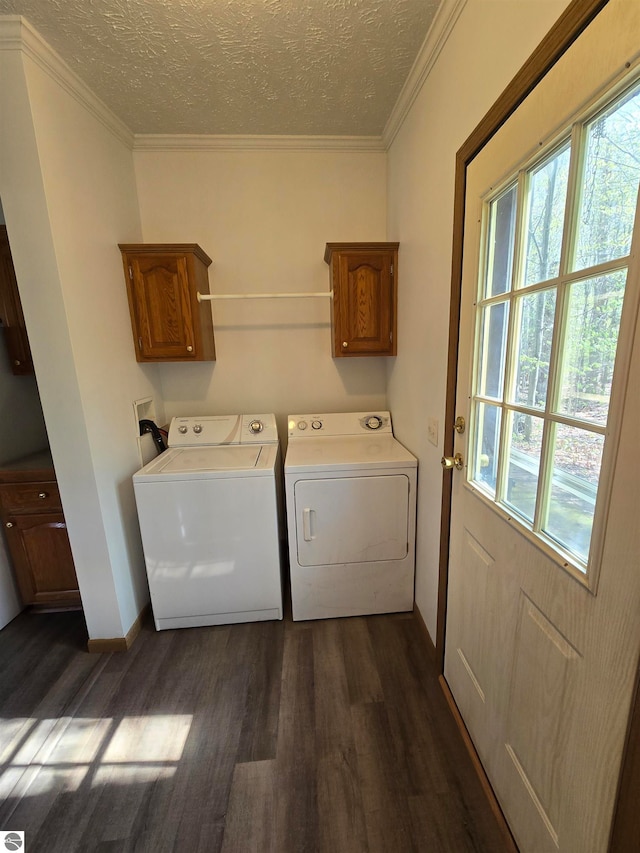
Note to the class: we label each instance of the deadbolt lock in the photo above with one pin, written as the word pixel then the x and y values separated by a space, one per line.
pixel 460 425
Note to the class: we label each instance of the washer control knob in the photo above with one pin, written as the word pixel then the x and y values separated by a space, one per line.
pixel 256 427
pixel 374 422
pixel 197 428
pixel 302 424
pixel 316 424
pixel 182 430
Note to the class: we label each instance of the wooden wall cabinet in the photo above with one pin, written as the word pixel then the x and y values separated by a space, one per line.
pixel 364 281
pixel 169 324
pixel 11 316
pixel 36 537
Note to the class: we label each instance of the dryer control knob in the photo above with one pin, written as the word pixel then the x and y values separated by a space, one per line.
pixel 256 427
pixel 374 422
pixel 182 429
pixel 316 424
pixel 302 424
pixel 197 428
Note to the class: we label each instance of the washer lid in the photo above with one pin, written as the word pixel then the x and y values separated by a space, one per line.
pixel 347 453
pixel 184 463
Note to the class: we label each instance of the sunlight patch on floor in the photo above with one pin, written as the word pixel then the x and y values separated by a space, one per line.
pixel 41 756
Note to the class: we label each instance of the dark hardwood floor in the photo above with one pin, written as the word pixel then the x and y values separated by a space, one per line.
pixel 273 737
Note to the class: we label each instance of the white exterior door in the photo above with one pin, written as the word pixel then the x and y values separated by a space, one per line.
pixel 543 633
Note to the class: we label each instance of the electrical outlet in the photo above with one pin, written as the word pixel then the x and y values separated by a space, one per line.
pixel 432 430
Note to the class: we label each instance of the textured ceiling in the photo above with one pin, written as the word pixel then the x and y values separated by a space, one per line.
pixel 239 66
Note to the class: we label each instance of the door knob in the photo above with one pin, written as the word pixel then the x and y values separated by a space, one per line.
pixel 456 462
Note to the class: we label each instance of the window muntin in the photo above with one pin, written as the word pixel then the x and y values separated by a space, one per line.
pixel 552 290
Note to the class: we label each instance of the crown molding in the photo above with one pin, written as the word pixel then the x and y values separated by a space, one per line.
pixel 223 142
pixel 16 33
pixel 439 32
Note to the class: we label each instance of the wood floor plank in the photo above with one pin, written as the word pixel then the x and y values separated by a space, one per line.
pixel 434 829
pixel 341 822
pixel 360 662
pixel 250 825
pixel 413 701
pixel 383 787
pixel 296 801
pixel 261 646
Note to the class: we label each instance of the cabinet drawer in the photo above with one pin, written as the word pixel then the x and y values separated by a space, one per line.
pixel 30 497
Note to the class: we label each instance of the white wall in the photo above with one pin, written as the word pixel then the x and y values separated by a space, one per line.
pixel 489 43
pixel 264 218
pixel 68 191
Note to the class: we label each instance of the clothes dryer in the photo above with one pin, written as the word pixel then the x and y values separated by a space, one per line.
pixel 208 512
pixel 351 513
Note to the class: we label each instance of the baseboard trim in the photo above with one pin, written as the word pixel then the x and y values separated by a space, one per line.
pixel 510 844
pixel 119 644
pixel 431 649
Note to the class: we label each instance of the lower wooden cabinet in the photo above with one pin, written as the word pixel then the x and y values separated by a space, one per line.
pixel 37 541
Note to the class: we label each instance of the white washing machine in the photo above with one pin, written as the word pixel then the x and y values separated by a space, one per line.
pixel 351 516
pixel 208 511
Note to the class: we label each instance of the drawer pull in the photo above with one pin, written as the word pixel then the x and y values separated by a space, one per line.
pixel 43 495
pixel 9 524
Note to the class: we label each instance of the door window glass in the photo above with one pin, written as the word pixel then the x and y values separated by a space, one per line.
pixel 558 240
pixel 546 197
pixel 609 184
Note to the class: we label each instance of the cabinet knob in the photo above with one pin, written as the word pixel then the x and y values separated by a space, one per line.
pixel 43 495
pixel 345 344
pixel 17 362
pixel 189 349
pixel 9 524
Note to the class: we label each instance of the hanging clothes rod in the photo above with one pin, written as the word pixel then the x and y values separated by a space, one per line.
pixel 208 297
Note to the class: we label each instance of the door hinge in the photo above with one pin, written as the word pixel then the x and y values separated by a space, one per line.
pixel 140 343
pixel 391 269
pixel 130 272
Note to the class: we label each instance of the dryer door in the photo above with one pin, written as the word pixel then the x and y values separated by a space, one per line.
pixel 352 519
